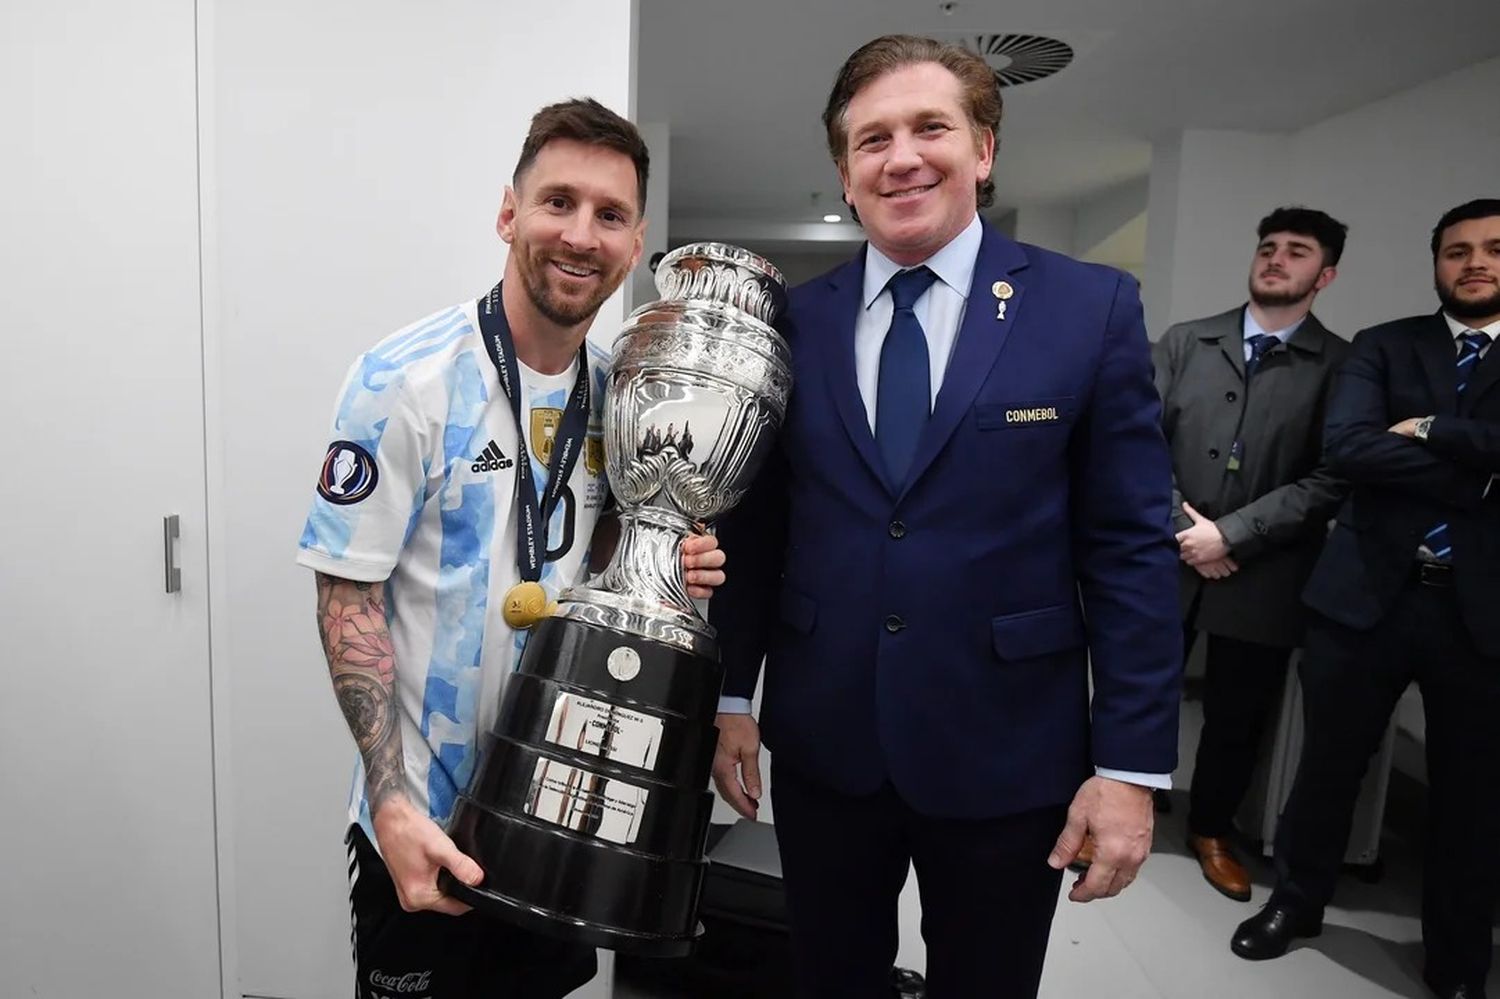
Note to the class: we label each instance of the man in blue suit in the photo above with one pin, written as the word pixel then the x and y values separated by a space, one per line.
pixel 970 500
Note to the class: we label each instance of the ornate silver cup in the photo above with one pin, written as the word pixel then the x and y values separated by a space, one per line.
pixel 589 809
pixel 697 388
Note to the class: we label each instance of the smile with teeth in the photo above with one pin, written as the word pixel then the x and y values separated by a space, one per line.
pixel 574 270
pixel 909 192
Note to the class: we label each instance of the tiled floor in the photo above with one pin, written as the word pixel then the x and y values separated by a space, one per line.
pixel 1168 935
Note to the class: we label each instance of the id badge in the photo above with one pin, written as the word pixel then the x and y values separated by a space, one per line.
pixel 1236 456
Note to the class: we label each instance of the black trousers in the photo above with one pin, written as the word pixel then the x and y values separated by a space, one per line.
pixel 987 893
pixel 428 955
pixel 1351 682
pixel 1242 685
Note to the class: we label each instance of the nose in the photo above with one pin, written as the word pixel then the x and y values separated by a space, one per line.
pixel 904 155
pixel 580 233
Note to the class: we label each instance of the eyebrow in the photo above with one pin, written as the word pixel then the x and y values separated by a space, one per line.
pixel 921 114
pixel 572 191
pixel 1301 244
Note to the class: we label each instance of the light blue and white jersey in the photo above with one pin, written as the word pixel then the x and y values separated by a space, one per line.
pixel 418 489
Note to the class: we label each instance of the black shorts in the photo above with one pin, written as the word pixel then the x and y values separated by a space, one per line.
pixel 428 955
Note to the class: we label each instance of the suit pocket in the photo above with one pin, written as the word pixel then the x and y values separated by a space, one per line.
pixel 1054 411
pixel 1037 632
pixel 796 611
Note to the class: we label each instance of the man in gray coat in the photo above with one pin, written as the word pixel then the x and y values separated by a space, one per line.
pixel 1243 394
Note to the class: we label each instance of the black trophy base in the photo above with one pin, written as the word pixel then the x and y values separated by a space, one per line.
pixel 537 920
pixel 589 811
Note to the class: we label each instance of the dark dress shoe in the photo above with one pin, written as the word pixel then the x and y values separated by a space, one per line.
pixel 907 984
pixel 1270 932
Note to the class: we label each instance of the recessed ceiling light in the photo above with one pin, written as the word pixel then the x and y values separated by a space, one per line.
pixel 831 217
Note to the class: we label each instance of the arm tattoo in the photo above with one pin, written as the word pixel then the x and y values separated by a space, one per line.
pixel 362 662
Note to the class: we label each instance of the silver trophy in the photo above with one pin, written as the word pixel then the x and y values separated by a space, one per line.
pixel 589 809
pixel 698 385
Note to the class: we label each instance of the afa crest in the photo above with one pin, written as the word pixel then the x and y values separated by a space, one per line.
pixel 593 454
pixel 545 422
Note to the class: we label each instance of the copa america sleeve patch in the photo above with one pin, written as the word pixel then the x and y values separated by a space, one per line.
pixel 349 474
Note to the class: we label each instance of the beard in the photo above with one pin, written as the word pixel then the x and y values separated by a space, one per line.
pixel 1470 308
pixel 540 281
pixel 1290 295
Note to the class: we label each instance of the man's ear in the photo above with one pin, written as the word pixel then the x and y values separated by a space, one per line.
pixel 505 225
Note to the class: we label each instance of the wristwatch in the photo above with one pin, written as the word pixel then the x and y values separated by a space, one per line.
pixel 1424 427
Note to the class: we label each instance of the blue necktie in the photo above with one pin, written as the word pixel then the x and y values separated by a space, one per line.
pixel 1470 344
pixel 1259 344
pixel 903 395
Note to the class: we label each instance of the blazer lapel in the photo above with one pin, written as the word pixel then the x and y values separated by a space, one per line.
pixel 1309 336
pixel 980 338
pixel 1439 358
pixel 1231 336
pixel 836 336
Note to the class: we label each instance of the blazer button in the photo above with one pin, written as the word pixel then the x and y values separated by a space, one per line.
pixel 894 624
pixel 1213 452
pixel 897 529
pixel 1260 527
pixel 1230 396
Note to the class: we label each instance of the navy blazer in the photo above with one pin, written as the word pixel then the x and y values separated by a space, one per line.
pixel 938 636
pixel 1402 488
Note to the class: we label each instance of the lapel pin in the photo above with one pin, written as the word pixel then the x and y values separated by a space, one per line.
pixel 1003 291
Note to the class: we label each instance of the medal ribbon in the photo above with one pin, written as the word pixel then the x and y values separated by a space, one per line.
pixel 531 526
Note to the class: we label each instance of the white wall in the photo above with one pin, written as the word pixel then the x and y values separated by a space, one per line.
pixel 1048 226
pixel 355 157
pixel 642 284
pixel 1225 183
pixel 1110 226
pixel 1388 170
pixel 1161 231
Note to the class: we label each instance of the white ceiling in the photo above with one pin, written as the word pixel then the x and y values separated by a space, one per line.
pixel 742 83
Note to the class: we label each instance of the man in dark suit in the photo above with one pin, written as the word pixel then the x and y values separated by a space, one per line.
pixel 1408 588
pixel 1243 398
pixel 970 498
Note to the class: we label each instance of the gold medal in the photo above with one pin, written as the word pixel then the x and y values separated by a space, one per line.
pixel 525 604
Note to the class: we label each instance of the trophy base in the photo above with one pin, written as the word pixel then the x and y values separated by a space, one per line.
pixel 589 810
pixel 537 920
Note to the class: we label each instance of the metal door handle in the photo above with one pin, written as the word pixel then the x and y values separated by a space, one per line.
pixel 170 532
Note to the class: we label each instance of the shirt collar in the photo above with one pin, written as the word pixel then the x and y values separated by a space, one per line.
pixel 1458 328
pixel 1252 328
pixel 953 264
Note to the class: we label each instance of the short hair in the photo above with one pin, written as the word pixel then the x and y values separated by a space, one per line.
pixel 586 120
pixel 1480 208
pixel 981 89
pixel 1327 230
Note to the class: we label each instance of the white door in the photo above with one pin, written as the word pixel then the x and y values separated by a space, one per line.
pixel 107 858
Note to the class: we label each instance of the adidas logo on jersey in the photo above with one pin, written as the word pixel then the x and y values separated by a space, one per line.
pixel 492 459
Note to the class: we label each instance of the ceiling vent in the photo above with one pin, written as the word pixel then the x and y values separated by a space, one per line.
pixel 1018 59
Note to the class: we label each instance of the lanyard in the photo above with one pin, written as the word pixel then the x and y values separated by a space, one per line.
pixel 531 526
